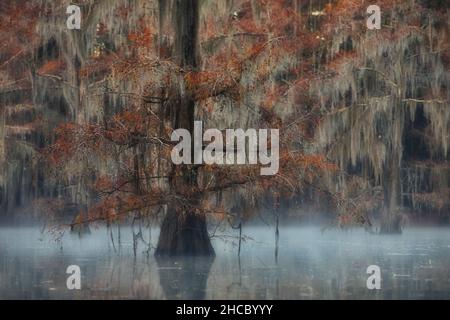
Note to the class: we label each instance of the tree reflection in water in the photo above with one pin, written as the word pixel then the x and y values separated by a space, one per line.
pixel 184 277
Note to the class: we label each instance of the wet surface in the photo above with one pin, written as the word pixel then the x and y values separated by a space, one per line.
pixel 311 265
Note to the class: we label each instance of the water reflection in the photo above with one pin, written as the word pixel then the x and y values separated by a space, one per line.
pixel 415 265
pixel 184 278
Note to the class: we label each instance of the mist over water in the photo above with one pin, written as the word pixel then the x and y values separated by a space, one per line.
pixel 311 265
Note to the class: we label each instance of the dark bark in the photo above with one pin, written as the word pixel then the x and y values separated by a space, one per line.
pixel 183 232
pixel 391 219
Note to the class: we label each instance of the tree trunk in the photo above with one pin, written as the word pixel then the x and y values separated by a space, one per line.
pixel 184 233
pixel 391 219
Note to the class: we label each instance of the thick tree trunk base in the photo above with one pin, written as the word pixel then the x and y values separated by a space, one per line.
pixel 184 235
pixel 80 229
pixel 391 224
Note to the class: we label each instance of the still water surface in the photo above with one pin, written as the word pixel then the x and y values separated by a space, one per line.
pixel 311 265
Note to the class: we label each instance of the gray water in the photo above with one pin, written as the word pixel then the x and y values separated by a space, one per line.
pixel 311 265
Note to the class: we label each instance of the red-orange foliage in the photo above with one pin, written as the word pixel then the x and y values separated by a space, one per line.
pixel 143 38
pixel 52 67
pixel 17 38
pixel 244 65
